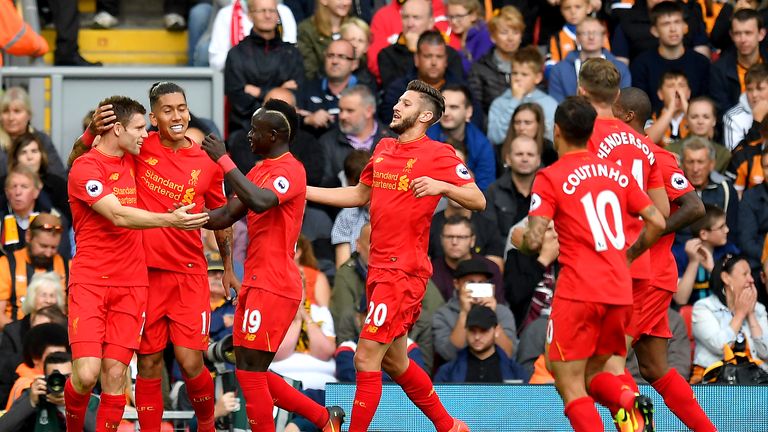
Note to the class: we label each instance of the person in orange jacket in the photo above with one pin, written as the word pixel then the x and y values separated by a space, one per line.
pixel 17 37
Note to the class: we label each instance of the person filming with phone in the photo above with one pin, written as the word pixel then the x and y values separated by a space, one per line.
pixel 473 286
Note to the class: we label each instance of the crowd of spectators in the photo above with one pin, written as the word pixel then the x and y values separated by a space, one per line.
pixel 502 67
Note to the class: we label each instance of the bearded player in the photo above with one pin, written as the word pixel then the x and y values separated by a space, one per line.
pixel 403 182
pixel 650 327
pixel 588 199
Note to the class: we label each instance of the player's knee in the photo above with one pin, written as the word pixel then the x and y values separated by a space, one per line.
pixel 191 366
pixel 113 377
pixel 365 361
pixel 85 377
pixel 394 366
pixel 150 366
pixel 651 371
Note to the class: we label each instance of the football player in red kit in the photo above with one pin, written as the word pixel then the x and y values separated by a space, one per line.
pixel 403 182
pixel 650 325
pixel 108 281
pixel 272 197
pixel 589 200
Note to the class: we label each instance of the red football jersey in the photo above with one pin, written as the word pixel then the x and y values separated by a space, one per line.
pixel 589 200
pixel 399 221
pixel 165 177
pixel 613 140
pixel 272 235
pixel 676 185
pixel 106 254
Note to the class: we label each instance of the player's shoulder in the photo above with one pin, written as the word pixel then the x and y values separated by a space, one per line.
pixel 87 161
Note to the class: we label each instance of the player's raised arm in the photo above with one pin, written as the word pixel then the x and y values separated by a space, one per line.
pixel 102 120
pixel 350 196
pixel 654 227
pixel 130 217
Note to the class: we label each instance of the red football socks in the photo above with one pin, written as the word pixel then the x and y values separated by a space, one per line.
pixel 367 396
pixel 290 399
pixel 679 397
pixel 417 385
pixel 629 381
pixel 609 390
pixel 583 415
pixel 258 401
pixel 110 412
pixel 149 403
pixel 76 404
pixel 200 391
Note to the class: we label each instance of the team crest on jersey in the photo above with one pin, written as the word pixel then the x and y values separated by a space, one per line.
pixel 535 202
pixel 409 165
pixel 94 188
pixel 194 177
pixel 114 176
pixel 281 184
pixel 463 172
pixel 679 181
pixel 151 161
pixel 378 159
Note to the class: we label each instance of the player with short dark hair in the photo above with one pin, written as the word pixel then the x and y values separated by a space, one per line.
pixel 650 321
pixel 271 196
pixel 403 182
pixel 588 199
pixel 108 281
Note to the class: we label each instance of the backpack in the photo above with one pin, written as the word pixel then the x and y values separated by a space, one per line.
pixel 737 366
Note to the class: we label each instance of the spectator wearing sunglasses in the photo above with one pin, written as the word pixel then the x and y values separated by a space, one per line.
pixel 39 255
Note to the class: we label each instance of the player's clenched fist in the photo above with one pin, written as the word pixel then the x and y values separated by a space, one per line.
pixel 214 147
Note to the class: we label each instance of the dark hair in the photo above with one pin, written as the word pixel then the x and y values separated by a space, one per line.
pixel 163 88
pixel 723 265
pixel 21 142
pixel 529 54
pixel 705 99
pixel 40 337
pixel 672 74
pixel 756 73
pixel 511 134
pixel 430 37
pixel 53 313
pixel 354 163
pixel 665 8
pixel 635 100
pixel 575 117
pixel 57 358
pixel 743 15
pixel 124 108
pixel 706 222
pixel 461 88
pixel 600 79
pixel 433 98
pixel 459 220
pixel 288 115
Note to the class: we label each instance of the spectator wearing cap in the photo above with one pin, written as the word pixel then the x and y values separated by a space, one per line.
pixel 472 286
pixel 482 361
pixel 40 254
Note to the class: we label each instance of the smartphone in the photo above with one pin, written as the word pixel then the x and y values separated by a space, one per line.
pixel 478 290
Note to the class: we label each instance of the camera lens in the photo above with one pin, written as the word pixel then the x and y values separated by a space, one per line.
pixel 55 382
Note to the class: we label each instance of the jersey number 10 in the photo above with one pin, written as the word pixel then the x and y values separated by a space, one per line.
pixel 597 217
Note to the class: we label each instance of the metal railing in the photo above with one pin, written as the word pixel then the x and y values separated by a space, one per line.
pixel 72 91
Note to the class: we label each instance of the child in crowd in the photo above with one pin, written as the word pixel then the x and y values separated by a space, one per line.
pixel 671 123
pixel 564 41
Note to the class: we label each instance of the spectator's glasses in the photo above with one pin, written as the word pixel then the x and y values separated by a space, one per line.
pixel 47 227
pixel 722 227
pixel 457 17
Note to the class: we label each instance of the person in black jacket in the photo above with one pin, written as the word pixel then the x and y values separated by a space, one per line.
pixel 259 63
pixel 727 75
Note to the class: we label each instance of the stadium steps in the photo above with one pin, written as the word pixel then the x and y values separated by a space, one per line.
pixel 139 39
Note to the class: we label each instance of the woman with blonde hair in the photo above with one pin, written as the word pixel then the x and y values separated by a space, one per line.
pixel 358 33
pixel 317 32
pixel 15 117
pixel 468 33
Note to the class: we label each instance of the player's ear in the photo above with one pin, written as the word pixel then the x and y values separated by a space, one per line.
pixel 152 119
pixel 426 116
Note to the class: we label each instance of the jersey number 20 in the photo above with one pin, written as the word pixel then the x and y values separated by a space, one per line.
pixel 597 217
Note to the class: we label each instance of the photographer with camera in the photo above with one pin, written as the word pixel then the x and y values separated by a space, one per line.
pixel 473 285
pixel 41 407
